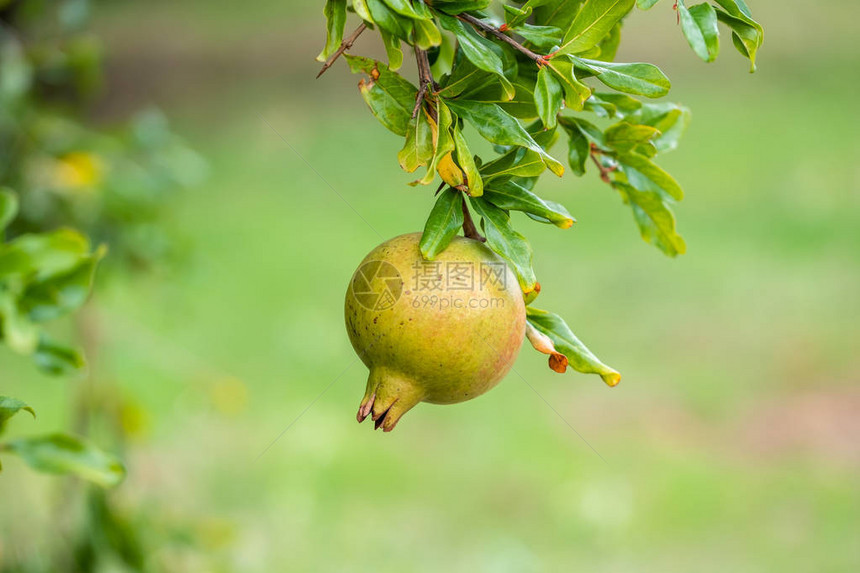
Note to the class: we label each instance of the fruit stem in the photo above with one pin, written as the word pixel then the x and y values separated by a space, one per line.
pixel 469 228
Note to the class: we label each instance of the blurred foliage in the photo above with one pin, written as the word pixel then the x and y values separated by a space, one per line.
pixel 60 170
pixel 113 185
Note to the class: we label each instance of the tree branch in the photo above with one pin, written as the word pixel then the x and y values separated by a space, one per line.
pixel 481 25
pixel 469 228
pixel 344 46
pixel 425 81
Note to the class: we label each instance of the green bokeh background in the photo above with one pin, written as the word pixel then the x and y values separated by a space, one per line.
pixel 733 443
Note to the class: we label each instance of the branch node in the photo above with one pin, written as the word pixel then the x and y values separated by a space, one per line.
pixel 344 46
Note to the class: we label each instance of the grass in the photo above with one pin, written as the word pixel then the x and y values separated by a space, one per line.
pixel 727 446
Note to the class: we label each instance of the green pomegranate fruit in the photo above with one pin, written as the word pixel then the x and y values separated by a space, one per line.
pixel 441 331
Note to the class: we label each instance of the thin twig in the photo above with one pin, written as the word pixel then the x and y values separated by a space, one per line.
pixel 480 24
pixel 604 171
pixel 344 46
pixel 425 83
pixel 469 228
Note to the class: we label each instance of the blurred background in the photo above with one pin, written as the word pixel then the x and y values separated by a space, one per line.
pixel 732 444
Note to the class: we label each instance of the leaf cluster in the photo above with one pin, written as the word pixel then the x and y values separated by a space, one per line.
pixel 521 75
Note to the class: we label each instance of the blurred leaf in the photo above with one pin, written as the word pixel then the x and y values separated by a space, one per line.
pixel 593 22
pixel 497 126
pixel 444 222
pixel 699 24
pixel 479 50
pixel 637 78
pixel 656 221
pixel 609 44
pixel 580 357
pixel 390 97
pixel 549 96
pixel 669 118
pixel 43 255
pixel 57 359
pixel 579 147
pixel 57 295
pixel 65 454
pixel 19 333
pixel 335 14
pixel 645 175
pixel 504 240
pixel 511 196
pixel 8 207
pixel 11 406
pixel 646 4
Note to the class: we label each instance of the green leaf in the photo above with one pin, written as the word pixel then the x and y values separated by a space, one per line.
pixel 335 13
pixel 542 37
pixel 510 196
pixel 646 4
pixel 415 9
pixel 559 13
pixel 699 24
pixel 655 220
pixel 443 142
pixel 611 105
pixel 575 92
pixel 43 255
pixel 579 357
pixel 455 7
pixel 549 96
pixel 467 162
pixel 747 34
pixel 444 222
pixel 65 454
pixel 390 97
pixel 57 295
pixel 363 11
pixel 626 137
pixel 609 44
pixel 393 49
pixel 645 175
pixel 518 162
pixel 19 333
pixel 418 149
pixel 11 406
pixel 589 130
pixel 636 78
pixel 497 126
pixel 479 50
pixel 669 118
pixel 579 150
pixel 593 22
pixel 388 20
pixel 427 35
pixel 504 240
pixel 57 359
pixel 8 207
